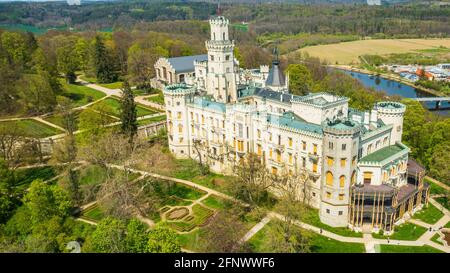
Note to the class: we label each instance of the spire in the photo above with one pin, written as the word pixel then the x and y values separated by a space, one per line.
pixel 219 11
pixel 276 54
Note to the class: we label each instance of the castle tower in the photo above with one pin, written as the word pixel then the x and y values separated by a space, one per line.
pixel 392 113
pixel 276 79
pixel 222 71
pixel 176 97
pixel 340 150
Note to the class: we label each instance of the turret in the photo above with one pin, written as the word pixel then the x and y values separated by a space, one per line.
pixel 392 113
pixel 340 149
pixel 176 97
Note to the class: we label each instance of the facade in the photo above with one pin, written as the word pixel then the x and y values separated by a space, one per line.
pixel 177 69
pixel 353 159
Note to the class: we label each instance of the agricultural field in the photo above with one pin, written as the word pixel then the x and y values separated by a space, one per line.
pixel 348 52
pixel 31 128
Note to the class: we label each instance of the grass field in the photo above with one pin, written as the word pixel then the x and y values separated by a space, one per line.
pixel 26 176
pixel 406 231
pixel 429 214
pixel 113 105
pixel 318 243
pixel 408 249
pixel 80 94
pixel 147 121
pixel 32 128
pixel 57 119
pixel 348 52
pixel 157 99
pixel 312 218
pixel 94 214
pixel 113 85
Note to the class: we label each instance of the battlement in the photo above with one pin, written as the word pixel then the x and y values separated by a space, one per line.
pixel 179 89
pixel 219 21
pixel 341 127
pixel 390 107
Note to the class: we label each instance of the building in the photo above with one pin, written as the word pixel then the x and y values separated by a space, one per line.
pixel 374 2
pixel 177 69
pixel 356 163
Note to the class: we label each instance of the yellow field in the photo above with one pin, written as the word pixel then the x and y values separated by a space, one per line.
pixel 348 52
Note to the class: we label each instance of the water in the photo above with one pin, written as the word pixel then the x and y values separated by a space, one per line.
pixel 391 87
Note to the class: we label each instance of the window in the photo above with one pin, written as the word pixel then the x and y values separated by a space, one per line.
pixel 203 119
pixel 278 156
pixel 315 149
pixel 234 142
pixel 258 133
pixel 259 150
pixel 385 141
pixel 344 147
pixel 314 194
pixel 342 181
pixel 290 158
pixel 270 153
pixel 330 145
pixel 328 211
pixel 341 196
pixel 193 128
pixel 180 128
pixel 290 141
pixel 170 127
pixel 329 179
pixel 227 57
pixel 223 123
pixel 314 167
pixel 369 149
pixel 279 139
pixel 240 145
pixel 330 161
pixel 328 196
pixel 181 140
pixel 270 136
pixel 178 115
pixel 367 177
pixel 212 57
pixel 353 177
pixel 304 145
pixel 192 116
pixel 354 161
pixel 274 170
pixel 385 176
pixel 343 162
pixel 340 212
pixel 304 162
pixel 169 113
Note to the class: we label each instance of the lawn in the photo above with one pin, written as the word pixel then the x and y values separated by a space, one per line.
pixel 200 215
pixel 408 249
pixel 159 99
pixel 112 107
pixel 94 213
pixel 113 85
pixel 148 121
pixel 166 189
pixel 26 176
pixel 31 128
pixel 349 52
pixel 57 119
pixel 312 218
pixel 80 94
pixel 94 174
pixel 215 202
pixel 436 239
pixel 319 243
pixel 192 240
pixel 429 214
pixel 434 188
pixel 443 201
pixel 406 231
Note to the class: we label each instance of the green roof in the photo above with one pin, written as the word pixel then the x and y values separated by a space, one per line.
pixel 383 153
pixel 293 121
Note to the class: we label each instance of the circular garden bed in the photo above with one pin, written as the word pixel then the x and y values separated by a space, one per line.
pixel 177 213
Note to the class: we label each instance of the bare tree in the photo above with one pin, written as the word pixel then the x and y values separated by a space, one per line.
pixel 198 146
pixel 10 141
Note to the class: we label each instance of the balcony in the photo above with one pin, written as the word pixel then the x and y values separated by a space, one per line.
pixel 313 175
pixel 313 156
pixel 276 162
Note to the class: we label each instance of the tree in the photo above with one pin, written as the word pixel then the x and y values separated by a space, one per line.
pixel 36 93
pixel 8 195
pixel 68 61
pixel 224 233
pixel 128 113
pixel 163 240
pixel 108 237
pixel 300 80
pixel 252 180
pixel 45 201
pixel 15 45
pixel 140 66
pixel 104 70
pixel 137 237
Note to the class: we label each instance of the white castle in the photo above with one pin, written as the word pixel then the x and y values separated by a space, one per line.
pixel 358 168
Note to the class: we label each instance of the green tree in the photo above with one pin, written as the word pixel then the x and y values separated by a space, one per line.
pixel 36 93
pixel 14 43
pixel 108 237
pixel 163 240
pixel 137 237
pixel 104 70
pixel 140 65
pixel 45 201
pixel 68 61
pixel 128 113
pixel 300 79
pixel 8 194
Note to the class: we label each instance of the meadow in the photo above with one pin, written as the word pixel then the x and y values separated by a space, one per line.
pixel 348 52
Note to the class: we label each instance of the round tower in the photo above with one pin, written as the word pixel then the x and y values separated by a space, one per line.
pixel 340 150
pixel 176 98
pixel 392 113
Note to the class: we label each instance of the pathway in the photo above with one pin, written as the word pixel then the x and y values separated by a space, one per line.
pixel 439 183
pixel 256 228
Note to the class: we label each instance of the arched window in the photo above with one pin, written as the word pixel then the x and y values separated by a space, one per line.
pixel 342 181
pixel 180 128
pixel 353 177
pixel 223 36
pixel 329 178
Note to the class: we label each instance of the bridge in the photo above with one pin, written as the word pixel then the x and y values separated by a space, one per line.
pixel 438 100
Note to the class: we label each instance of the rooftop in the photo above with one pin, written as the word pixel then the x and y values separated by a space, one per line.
pixel 186 63
pixel 276 76
pixel 204 102
pixel 293 121
pixel 383 153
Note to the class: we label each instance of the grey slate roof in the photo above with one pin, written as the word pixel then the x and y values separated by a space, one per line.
pixel 276 76
pixel 265 93
pixel 186 63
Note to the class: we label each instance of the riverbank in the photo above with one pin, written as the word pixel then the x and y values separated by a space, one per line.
pixel 387 76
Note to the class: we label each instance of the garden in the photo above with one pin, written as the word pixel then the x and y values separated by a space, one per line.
pixel 406 231
pixel 31 128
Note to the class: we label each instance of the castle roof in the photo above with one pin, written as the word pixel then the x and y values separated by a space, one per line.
pixel 276 76
pixel 291 120
pixel 206 103
pixel 384 153
pixel 186 63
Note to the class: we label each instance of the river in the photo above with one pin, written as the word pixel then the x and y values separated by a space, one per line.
pixel 391 87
